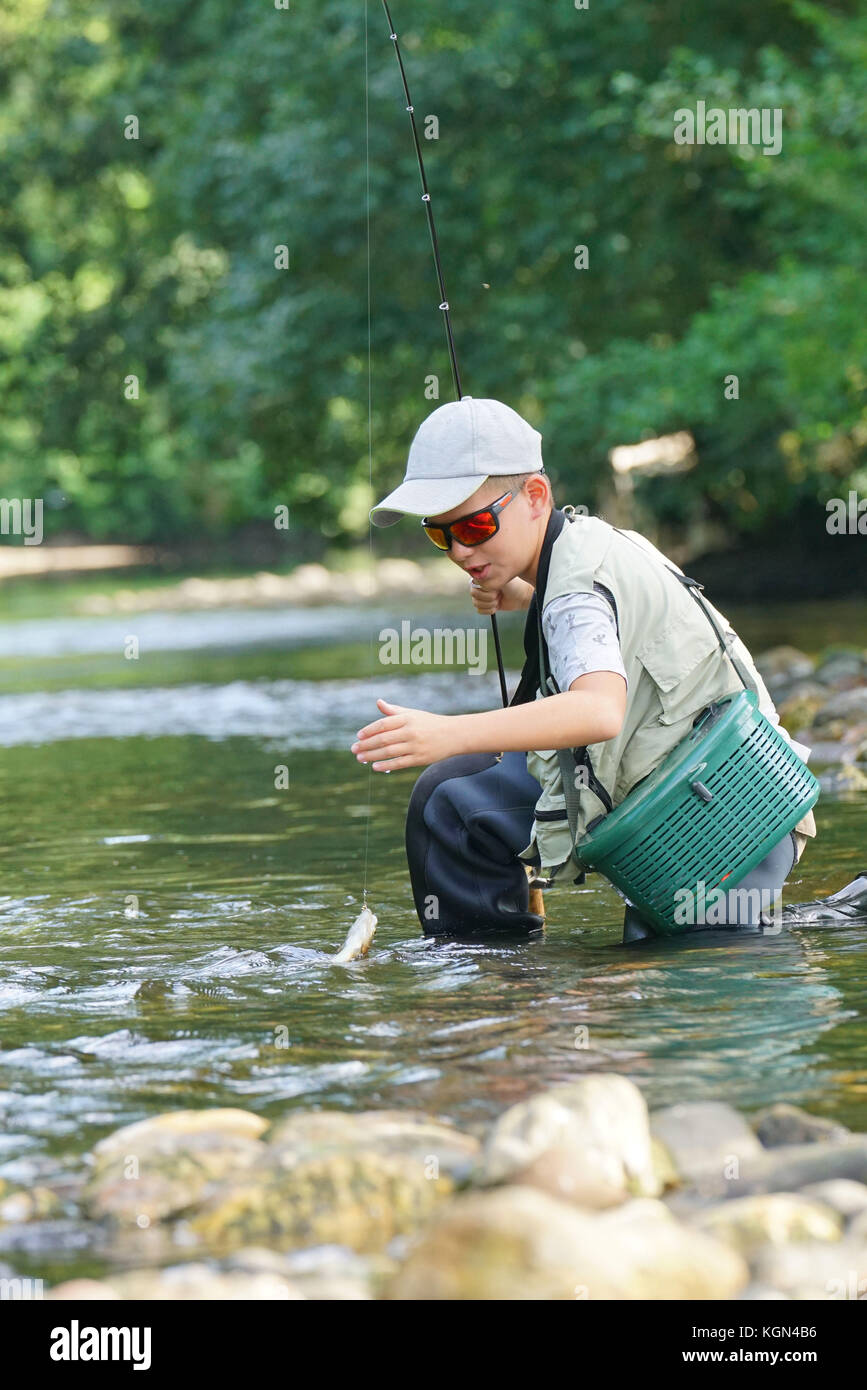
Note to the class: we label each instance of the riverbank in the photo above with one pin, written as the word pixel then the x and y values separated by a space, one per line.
pixel 823 703
pixel 575 1193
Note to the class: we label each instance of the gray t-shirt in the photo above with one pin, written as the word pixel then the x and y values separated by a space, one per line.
pixel 581 632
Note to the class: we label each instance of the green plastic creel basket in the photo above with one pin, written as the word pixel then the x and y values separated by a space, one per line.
pixel 707 814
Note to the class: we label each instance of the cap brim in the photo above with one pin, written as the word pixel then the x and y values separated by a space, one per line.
pixel 424 497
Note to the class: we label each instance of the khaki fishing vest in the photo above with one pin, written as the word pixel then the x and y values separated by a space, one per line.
pixel 674 664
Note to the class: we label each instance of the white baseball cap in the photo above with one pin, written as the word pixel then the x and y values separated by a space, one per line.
pixel 455 449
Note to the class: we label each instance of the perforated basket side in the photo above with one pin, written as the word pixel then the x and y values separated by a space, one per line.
pixel 760 789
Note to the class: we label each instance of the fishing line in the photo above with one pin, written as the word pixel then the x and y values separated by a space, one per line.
pixel 369 422
pixel 444 303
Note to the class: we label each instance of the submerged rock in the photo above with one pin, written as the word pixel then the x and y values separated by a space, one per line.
pixel 519 1243
pixel 587 1141
pixel 787 1124
pixel 775 1218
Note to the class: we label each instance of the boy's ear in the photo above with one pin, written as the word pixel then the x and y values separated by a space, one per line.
pixel 538 489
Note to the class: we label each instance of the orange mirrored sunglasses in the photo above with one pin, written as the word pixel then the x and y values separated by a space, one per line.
pixel 473 529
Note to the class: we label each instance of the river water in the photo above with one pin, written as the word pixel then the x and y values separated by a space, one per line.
pixel 185 840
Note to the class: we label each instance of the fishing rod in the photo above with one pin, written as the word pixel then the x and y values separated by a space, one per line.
pixel 444 303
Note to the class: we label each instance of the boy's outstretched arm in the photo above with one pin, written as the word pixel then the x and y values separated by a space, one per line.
pixel 590 711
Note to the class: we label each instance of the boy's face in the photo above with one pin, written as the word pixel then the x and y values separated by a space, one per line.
pixel 514 547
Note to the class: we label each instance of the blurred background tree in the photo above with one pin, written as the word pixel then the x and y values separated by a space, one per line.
pixel 154 257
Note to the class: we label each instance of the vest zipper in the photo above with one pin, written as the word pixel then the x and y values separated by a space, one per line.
pixel 592 780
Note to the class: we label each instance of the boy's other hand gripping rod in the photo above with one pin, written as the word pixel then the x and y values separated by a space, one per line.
pixel 444 304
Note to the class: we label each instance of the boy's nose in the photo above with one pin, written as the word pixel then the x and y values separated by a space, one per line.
pixel 461 553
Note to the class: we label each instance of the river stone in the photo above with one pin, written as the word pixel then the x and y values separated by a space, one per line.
pixel 814 1269
pixel 774 1218
pixel 755 1292
pixel 437 1147
pixel 587 1140
pixel 327 1273
pixel 704 1137
pixel 827 753
pixel 40 1203
pixel 179 1157
pixel 844 779
pixel 791 1168
pixel 360 1199
pixel 77 1290
pixel 858 1226
pixel 779 665
pixel 199 1281
pixel 801 705
pixel 842 1195
pixel 850 706
pixel 842 669
pixel 519 1243
pixel 160 1132
pixel 663 1165
pixel 788 1124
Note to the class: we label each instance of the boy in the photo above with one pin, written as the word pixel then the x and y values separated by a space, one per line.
pixel 633 655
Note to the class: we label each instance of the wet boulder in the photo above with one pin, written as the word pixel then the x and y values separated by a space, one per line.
pixel 814 1269
pixel 842 1195
pixel 774 1218
pixel 516 1242
pixel 781 666
pixel 33 1204
pixel 362 1200
pixel 801 705
pixel 440 1148
pixel 843 780
pixel 842 669
pixel 788 1124
pixel 330 1176
pixel 705 1139
pixel 159 1167
pixel 848 706
pixel 80 1290
pixel 587 1142
pixel 199 1281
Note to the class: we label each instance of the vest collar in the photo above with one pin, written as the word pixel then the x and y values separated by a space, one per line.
pixel 530 674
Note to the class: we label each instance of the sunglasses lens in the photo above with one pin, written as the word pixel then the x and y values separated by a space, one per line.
pixel 438 536
pixel 475 529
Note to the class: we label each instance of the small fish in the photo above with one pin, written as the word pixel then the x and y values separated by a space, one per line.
pixel 358 938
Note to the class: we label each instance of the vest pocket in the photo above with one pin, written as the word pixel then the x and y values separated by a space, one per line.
pixel 680 663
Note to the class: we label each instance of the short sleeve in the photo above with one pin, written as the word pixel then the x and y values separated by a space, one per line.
pixel 581 632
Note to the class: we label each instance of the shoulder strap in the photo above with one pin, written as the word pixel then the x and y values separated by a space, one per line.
pixel 565 758
pixel 694 588
pixel 548 686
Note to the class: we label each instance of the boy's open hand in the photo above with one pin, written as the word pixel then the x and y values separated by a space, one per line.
pixel 405 738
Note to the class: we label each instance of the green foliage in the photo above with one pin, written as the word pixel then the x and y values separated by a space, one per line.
pixel 154 257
